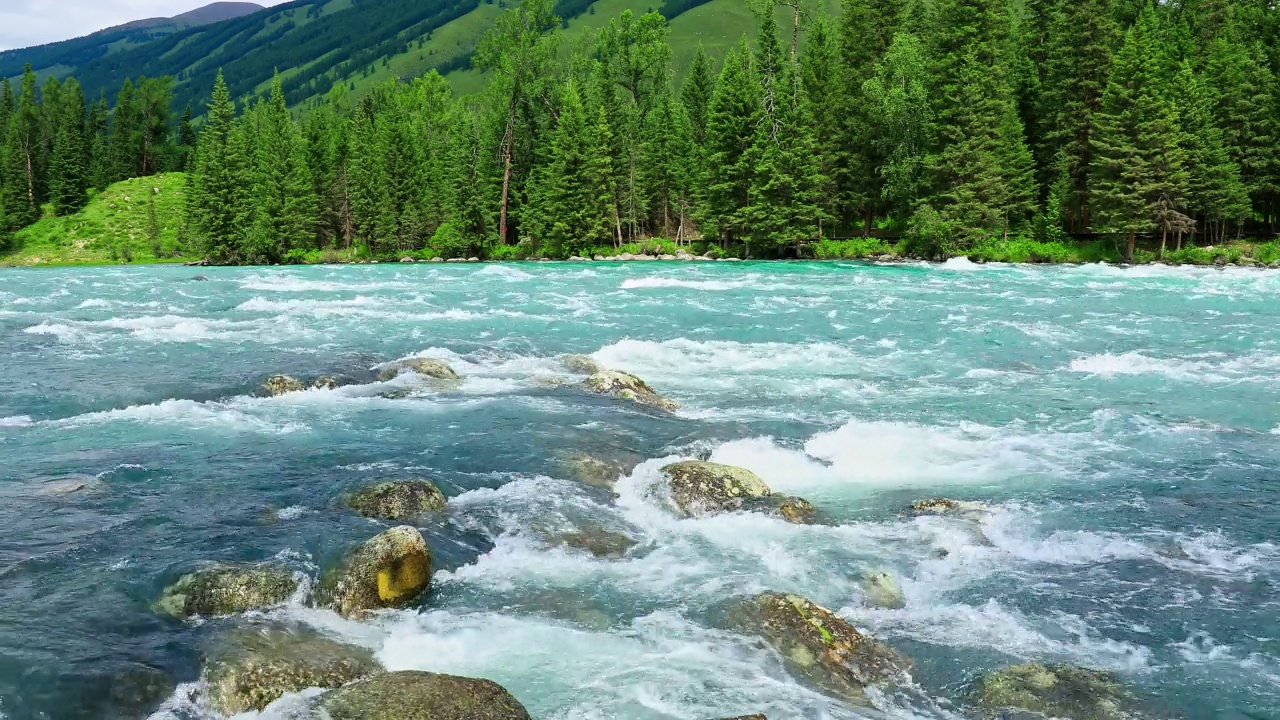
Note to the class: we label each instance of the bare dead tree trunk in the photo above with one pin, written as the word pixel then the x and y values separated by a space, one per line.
pixel 507 141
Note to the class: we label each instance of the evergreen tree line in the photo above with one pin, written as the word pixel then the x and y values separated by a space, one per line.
pixel 945 121
pixel 55 148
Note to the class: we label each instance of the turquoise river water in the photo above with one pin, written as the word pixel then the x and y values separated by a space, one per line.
pixel 1123 425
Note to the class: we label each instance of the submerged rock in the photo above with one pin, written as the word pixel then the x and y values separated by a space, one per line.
pixel 792 509
pixel 601 472
pixel 883 591
pixel 599 542
pixel 387 571
pixel 1053 691
pixel 820 647
pixel 426 367
pixel 227 590
pixel 328 382
pixel 581 364
pixel 748 717
pixel 253 669
pixel 278 385
pixel 403 500
pixel 626 386
pixel 423 696
pixel 703 488
pixel 947 506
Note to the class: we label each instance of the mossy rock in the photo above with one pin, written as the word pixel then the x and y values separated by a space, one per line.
pixel 947 506
pixel 704 488
pixel 601 472
pixel 388 571
pixel 328 382
pixel 423 696
pixel 820 647
pixel 794 510
pixel 426 367
pixel 1054 691
pixel 883 591
pixel 278 385
pixel 625 386
pixel 401 500
pixel 580 364
pixel 225 590
pixel 254 668
pixel 601 543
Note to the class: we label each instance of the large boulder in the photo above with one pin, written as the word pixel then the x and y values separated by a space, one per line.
pixel 388 571
pixel 883 591
pixel 423 696
pixel 278 385
pixel 581 364
pixel 821 648
pixel 224 590
pixel 426 367
pixel 626 386
pixel 252 669
pixel 704 488
pixel 403 500
pixel 1054 691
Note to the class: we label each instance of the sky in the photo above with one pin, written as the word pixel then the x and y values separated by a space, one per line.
pixel 34 22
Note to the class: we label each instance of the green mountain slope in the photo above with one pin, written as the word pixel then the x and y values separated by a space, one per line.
pixel 316 44
pixel 63 58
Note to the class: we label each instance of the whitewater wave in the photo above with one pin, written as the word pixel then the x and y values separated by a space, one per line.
pixel 1249 368
pixel 187 413
pixel 16 421
pixel 685 357
pixel 670 282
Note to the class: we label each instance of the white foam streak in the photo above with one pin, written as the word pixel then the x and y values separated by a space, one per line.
pixel 16 421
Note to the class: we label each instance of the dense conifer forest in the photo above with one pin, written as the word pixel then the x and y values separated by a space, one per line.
pixel 945 123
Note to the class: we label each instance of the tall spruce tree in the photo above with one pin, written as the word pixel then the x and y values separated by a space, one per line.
pixel 898 95
pixel 1139 171
pixel 866 30
pixel 218 200
pixel 22 156
pixel 1077 67
pixel 126 135
pixel 1215 193
pixel 69 165
pixel 823 85
pixel 284 202
pixel 732 120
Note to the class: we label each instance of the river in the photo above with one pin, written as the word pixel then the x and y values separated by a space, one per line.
pixel 1122 425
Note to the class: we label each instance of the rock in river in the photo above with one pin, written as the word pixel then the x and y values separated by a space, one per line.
pixel 626 386
pixel 227 590
pixel 599 542
pixel 581 364
pixel 254 668
pixel 423 696
pixel 704 488
pixel 1053 691
pixel 404 500
pixel 278 385
pixel 426 367
pixel 883 591
pixel 947 506
pixel 387 571
pixel 820 647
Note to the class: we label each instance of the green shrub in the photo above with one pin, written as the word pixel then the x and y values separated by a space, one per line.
pixel 854 249
pixel 1022 250
pixel 1268 252
pixel 505 253
pixel 930 236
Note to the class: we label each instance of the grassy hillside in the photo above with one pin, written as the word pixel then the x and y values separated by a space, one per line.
pixel 132 221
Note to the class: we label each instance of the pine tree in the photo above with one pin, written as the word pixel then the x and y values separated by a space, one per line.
pixel 866 31
pixel 1139 171
pixel 284 202
pixel 898 95
pixel 668 142
pixel 99 144
pixel 368 191
pixel 732 119
pixel 823 84
pixel 69 165
pixel 696 94
pixel 572 197
pixel 1245 103
pixel 22 156
pixel 1078 63
pixel 126 135
pixel 186 140
pixel 218 205
pixel 1215 192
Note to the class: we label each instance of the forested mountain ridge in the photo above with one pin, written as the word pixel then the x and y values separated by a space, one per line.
pixel 67 56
